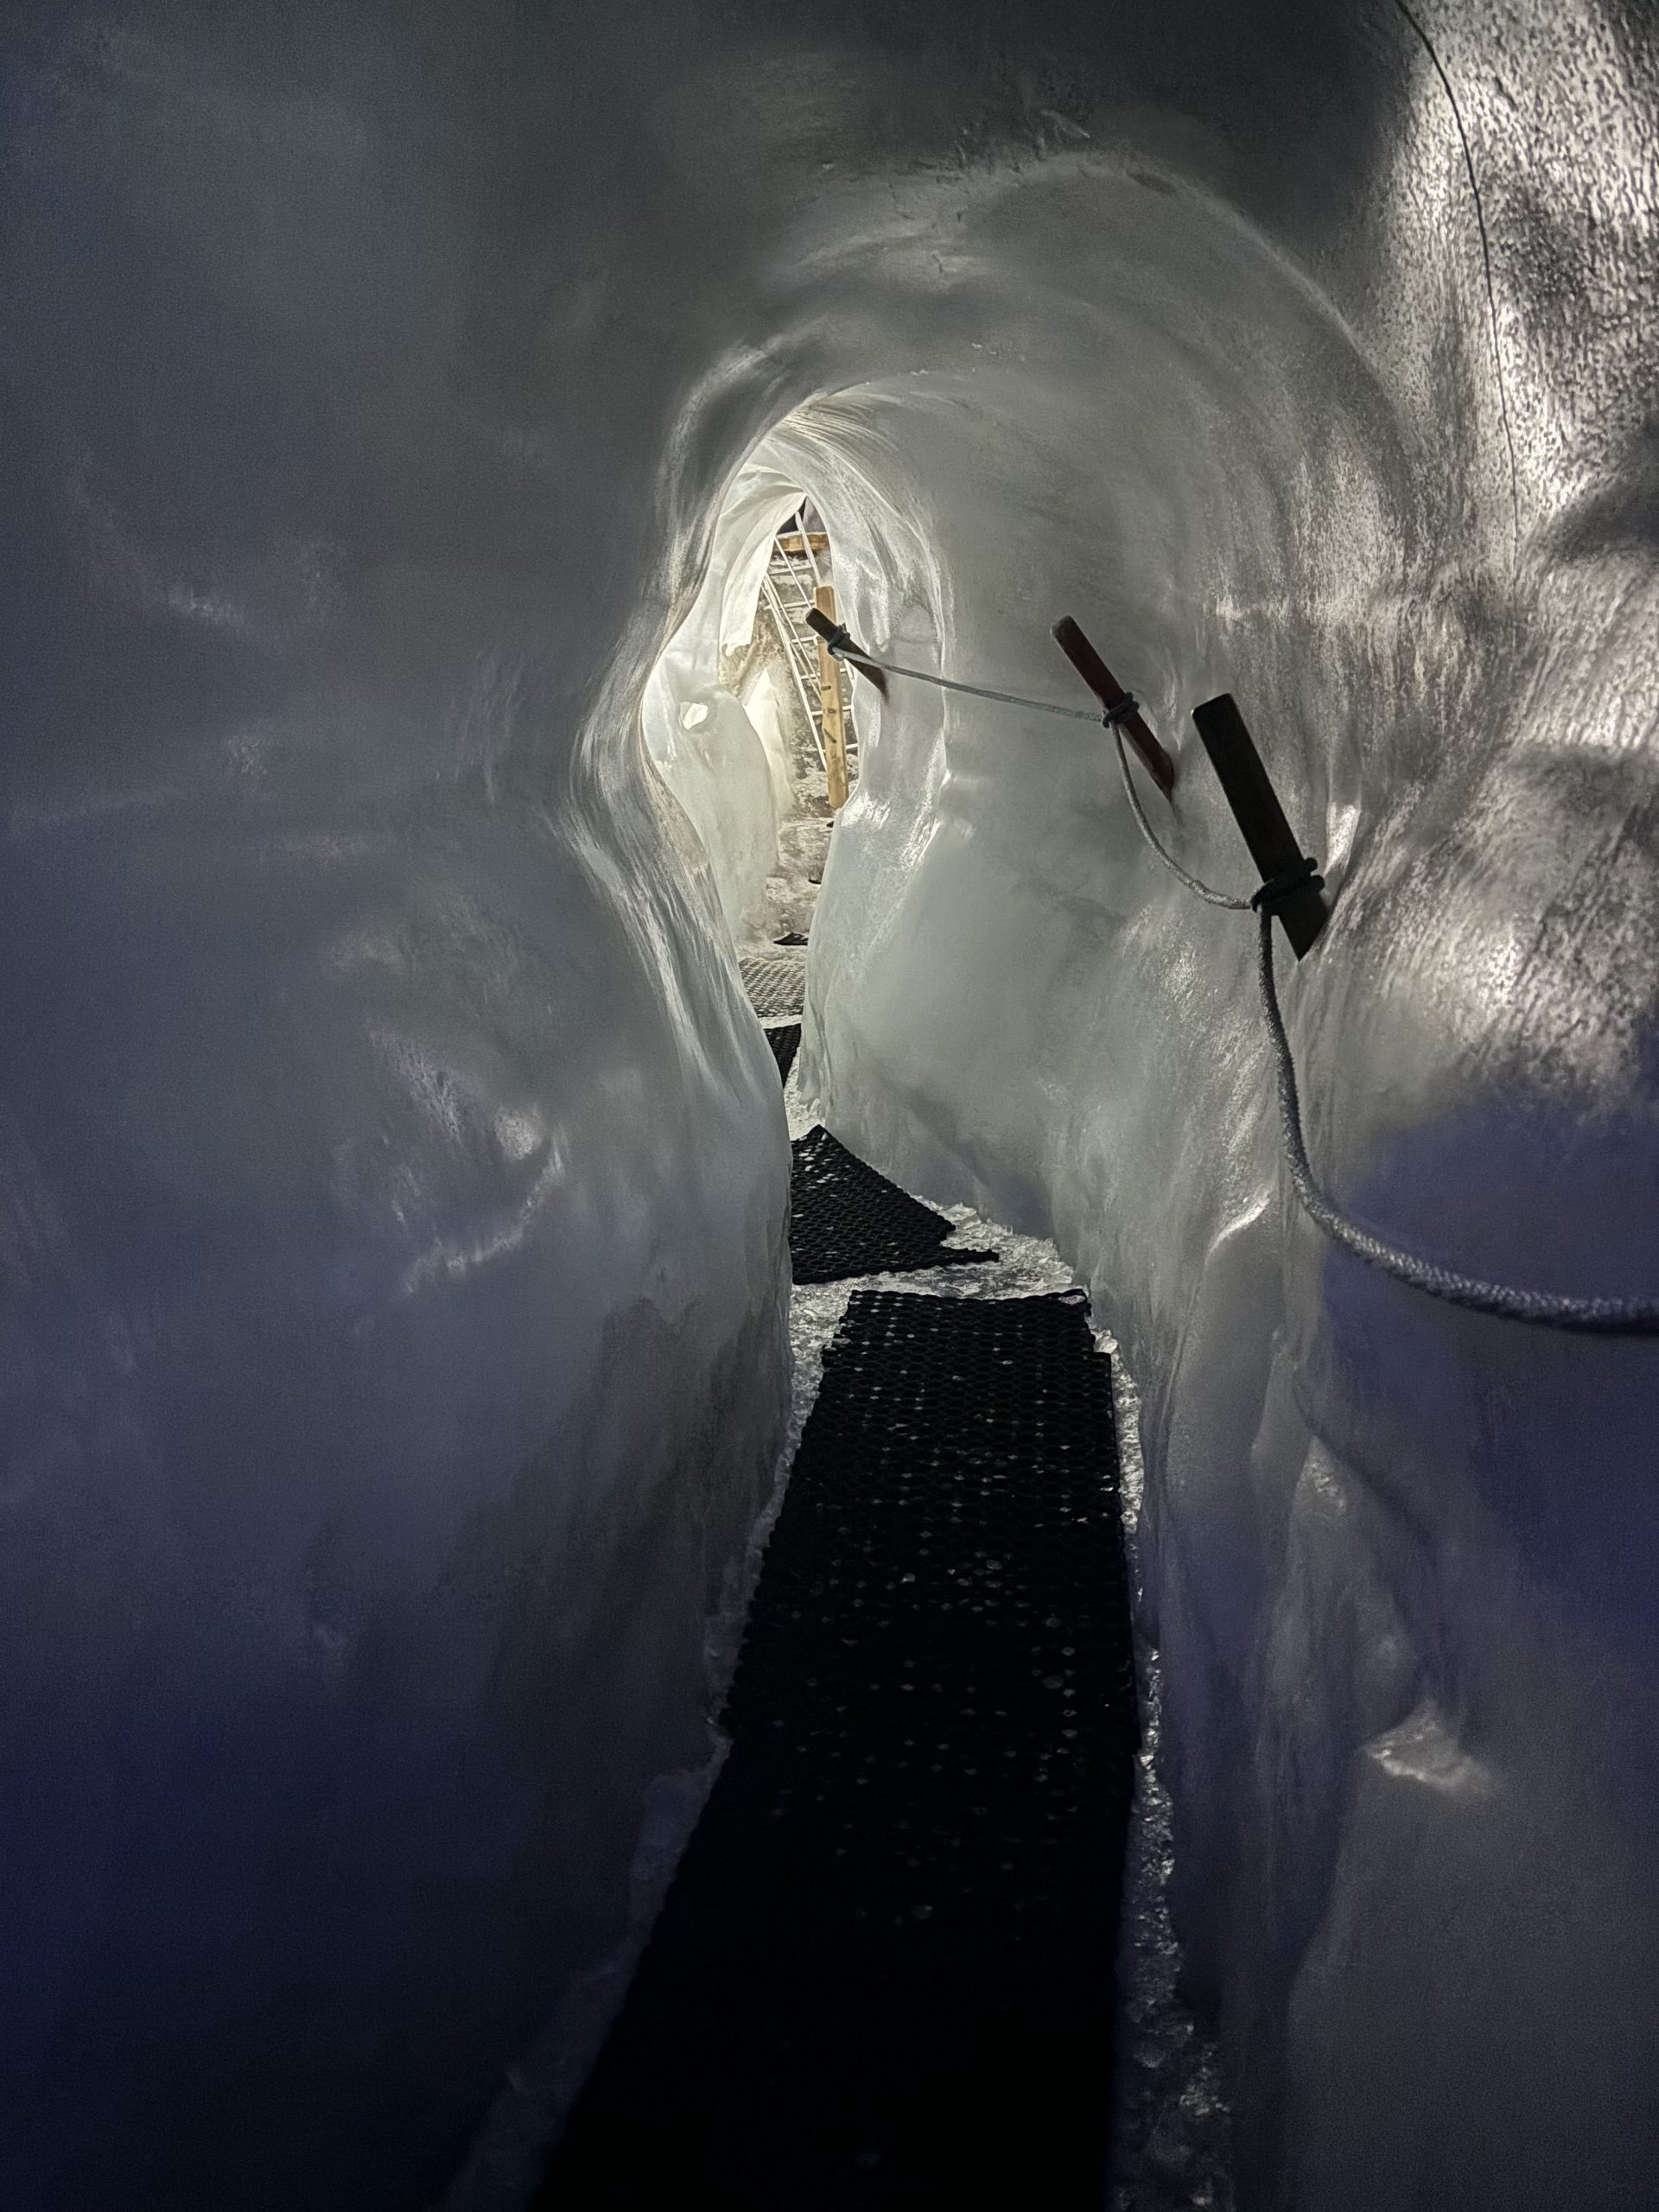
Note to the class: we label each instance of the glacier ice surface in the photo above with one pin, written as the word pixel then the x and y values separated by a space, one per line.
pixel 391 1176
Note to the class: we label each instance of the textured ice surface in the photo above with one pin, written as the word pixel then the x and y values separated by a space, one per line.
pixel 392 1314
pixel 392 1176
pixel 1172 2125
pixel 1398 1560
pixel 728 773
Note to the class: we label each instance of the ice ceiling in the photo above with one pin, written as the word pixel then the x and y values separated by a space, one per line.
pixel 390 1174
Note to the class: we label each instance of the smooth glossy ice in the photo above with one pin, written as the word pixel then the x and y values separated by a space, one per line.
pixel 391 1176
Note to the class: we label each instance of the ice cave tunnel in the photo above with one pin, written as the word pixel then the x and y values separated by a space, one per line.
pixel 403 404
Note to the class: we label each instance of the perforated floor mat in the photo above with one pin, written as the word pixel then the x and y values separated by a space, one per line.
pixel 847 1220
pixel 786 1041
pixel 775 981
pixel 883 1977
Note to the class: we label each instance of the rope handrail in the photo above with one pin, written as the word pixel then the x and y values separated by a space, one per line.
pixel 1122 709
pixel 840 642
pixel 1293 884
pixel 1547 1309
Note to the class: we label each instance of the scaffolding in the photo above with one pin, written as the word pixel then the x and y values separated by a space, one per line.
pixel 796 583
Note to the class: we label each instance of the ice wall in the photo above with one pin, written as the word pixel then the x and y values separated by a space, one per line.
pixel 391 1175
pixel 733 788
pixel 1239 409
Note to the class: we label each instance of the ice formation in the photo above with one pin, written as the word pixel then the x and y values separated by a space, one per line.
pixel 728 771
pixel 391 1176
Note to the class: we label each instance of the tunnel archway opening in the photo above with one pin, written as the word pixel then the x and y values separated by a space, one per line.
pixel 802 704
pixel 751 724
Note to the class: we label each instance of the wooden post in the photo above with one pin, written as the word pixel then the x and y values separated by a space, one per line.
pixel 1110 694
pixel 835 724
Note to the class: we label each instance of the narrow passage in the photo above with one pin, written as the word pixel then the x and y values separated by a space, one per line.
pixel 884 1973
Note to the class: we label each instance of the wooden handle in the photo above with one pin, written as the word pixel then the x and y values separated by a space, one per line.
pixel 821 624
pixel 1255 807
pixel 830 712
pixel 1110 693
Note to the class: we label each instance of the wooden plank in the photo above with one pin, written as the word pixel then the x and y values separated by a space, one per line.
pixel 1110 693
pixel 835 724
pixel 1255 807
pixel 818 540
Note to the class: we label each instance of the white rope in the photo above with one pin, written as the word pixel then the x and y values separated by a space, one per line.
pixel 1547 1309
pixel 850 652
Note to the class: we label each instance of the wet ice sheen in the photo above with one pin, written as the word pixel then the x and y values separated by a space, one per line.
pixel 391 1176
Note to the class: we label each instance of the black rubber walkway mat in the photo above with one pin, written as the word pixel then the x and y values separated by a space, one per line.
pixel 776 983
pixel 847 1220
pixel 786 1042
pixel 883 1977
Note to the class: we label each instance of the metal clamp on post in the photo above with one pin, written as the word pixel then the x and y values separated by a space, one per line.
pixel 1292 883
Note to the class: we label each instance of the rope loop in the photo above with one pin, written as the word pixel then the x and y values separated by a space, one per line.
pixel 1626 1317
pixel 1278 888
pixel 1602 1316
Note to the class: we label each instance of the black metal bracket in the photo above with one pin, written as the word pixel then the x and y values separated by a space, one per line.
pixel 1290 881
pixel 839 640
